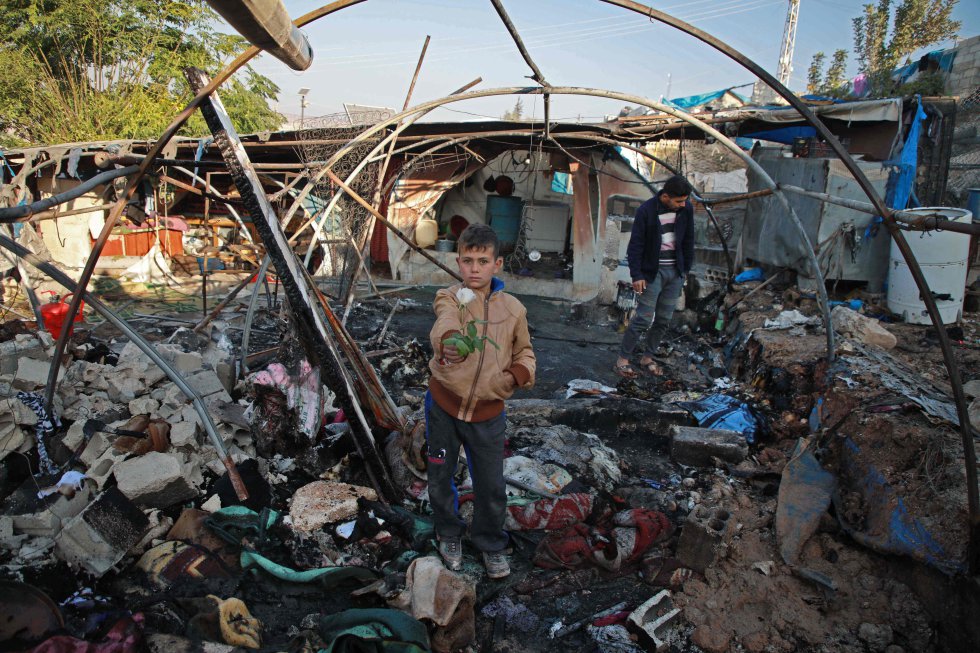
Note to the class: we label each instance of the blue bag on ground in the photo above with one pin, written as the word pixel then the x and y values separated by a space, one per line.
pixel 724 412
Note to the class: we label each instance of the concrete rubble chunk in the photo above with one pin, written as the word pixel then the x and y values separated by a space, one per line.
pixel 154 479
pixel 324 502
pixel 972 388
pixel 125 386
pixel 98 537
pixel 33 373
pixel 23 345
pixel 695 447
pixel 859 327
pixel 184 434
pixel 143 406
pixel 206 382
pixel 95 448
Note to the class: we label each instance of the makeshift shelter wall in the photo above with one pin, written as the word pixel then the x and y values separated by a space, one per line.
pixel 413 196
pixel 69 238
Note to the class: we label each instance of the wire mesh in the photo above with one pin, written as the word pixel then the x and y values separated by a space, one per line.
pixel 349 224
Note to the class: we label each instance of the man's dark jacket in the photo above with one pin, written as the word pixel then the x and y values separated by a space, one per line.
pixel 643 252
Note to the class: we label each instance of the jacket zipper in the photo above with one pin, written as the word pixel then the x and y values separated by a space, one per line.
pixel 479 365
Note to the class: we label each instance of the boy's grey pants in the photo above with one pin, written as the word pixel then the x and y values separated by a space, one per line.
pixel 484 445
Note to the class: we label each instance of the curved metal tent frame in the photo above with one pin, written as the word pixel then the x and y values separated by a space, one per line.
pixel 973 494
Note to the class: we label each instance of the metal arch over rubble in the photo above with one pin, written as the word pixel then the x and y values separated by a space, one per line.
pixel 323 336
pixel 884 211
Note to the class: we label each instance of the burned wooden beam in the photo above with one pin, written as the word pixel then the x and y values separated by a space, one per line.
pixel 314 332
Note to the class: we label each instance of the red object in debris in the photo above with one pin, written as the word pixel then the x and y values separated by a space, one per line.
pixel 54 314
pixel 504 186
pixel 612 619
pixel 339 417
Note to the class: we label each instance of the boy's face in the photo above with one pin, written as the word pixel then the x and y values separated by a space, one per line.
pixel 477 267
pixel 673 203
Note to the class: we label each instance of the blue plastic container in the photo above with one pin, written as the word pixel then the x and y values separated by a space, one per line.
pixel 214 263
pixel 504 217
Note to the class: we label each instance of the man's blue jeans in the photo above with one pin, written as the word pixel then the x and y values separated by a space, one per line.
pixel 653 312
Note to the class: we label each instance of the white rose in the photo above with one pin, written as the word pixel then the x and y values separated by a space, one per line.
pixel 464 296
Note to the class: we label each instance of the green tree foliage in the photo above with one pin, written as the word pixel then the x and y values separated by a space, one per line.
pixel 833 84
pixel 86 70
pixel 814 75
pixel 883 40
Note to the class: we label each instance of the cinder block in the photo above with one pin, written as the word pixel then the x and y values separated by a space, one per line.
pixel 649 618
pixel 98 537
pixel 154 479
pixel 695 447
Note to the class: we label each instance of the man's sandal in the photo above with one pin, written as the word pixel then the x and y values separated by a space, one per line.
pixel 626 371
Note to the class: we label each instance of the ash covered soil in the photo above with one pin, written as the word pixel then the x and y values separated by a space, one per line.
pixel 716 552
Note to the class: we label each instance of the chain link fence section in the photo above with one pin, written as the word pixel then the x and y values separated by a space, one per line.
pixel 964 164
pixel 349 223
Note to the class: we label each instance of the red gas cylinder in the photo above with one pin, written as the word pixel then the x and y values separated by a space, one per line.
pixel 504 186
pixel 54 314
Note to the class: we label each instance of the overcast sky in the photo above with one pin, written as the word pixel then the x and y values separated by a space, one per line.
pixel 366 54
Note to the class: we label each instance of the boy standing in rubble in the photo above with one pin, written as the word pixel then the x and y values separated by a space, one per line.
pixel 481 354
pixel 660 254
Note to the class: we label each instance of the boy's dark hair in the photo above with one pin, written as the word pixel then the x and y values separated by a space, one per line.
pixel 478 236
pixel 677 186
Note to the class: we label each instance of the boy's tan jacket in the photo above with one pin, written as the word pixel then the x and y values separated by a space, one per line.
pixel 474 389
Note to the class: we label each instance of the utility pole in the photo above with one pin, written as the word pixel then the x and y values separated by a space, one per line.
pixel 302 105
pixel 762 94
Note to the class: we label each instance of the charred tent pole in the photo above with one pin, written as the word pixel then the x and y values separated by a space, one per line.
pixel 25 254
pixel 956 384
pixel 314 334
pixel 538 76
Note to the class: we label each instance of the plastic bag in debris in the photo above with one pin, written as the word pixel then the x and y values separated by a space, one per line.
pixel 327 576
pixel 621 540
pixel 544 477
pixel 373 631
pixel 724 412
pixel 873 514
pixel 549 514
pixel 752 274
pixel 433 593
pixel 613 639
pixel 790 319
pixel 587 387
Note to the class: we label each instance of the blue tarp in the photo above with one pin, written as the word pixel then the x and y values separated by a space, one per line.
pixel 783 135
pixel 724 412
pixel 886 524
pixel 561 182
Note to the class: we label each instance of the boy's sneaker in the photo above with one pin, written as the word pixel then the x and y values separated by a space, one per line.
pixel 451 550
pixel 496 564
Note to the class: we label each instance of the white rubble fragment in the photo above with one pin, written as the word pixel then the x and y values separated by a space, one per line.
pixel 859 327
pixel 154 479
pixel 143 406
pixel 33 373
pixel 213 504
